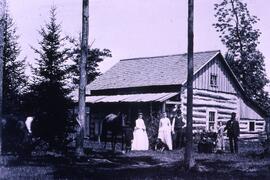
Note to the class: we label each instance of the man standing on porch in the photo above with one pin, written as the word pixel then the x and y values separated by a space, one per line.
pixel 165 130
pixel 233 131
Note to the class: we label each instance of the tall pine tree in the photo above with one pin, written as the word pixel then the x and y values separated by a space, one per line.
pixel 50 91
pixel 14 78
pixel 236 27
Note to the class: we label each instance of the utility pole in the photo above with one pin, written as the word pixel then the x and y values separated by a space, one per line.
pixel 82 86
pixel 189 161
pixel 2 13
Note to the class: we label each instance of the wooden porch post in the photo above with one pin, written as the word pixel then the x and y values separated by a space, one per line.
pixel 164 106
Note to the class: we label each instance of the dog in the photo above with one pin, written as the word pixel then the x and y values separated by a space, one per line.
pixel 161 146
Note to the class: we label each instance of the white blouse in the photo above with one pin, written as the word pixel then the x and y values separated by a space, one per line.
pixel 165 124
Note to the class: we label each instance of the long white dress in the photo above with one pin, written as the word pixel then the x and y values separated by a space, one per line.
pixel 164 132
pixel 140 139
pixel 220 139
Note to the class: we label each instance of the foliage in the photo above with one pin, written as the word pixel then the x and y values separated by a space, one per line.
pixel 236 27
pixel 14 78
pixel 152 126
pixel 49 92
pixel 95 56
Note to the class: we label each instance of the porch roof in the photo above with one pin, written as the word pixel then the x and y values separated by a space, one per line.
pixel 148 97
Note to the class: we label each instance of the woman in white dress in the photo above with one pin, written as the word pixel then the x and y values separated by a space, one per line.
pixel 140 139
pixel 165 131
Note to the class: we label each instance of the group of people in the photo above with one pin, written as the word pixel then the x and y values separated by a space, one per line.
pixel 170 133
pixel 233 132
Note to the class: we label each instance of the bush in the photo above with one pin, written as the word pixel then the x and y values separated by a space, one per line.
pixel 152 131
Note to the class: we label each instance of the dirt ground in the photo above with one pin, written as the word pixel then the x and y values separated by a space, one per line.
pixel 249 163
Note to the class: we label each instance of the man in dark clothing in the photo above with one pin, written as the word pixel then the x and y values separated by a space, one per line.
pixel 233 131
pixel 177 130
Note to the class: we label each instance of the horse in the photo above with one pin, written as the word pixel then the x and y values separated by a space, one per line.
pixel 113 123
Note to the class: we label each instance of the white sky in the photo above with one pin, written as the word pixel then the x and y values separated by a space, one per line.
pixel 133 28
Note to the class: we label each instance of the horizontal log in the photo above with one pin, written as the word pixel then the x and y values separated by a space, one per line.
pixel 260 123
pixel 222 116
pixel 199 121
pixel 199 110
pixel 249 119
pixel 226 111
pixel 199 125
pixel 213 103
pixel 212 106
pixel 245 123
pixel 249 132
pixel 199 115
pixel 216 95
pixel 213 99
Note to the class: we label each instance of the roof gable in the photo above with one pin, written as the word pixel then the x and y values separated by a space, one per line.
pixel 150 71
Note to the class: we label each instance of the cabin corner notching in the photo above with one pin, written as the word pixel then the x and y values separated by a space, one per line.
pixel 154 84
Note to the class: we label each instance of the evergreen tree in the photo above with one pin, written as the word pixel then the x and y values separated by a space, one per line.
pixel 95 56
pixel 14 78
pixel 49 92
pixel 236 27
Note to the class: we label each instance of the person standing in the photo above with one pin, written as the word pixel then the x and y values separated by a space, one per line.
pixel 177 129
pixel 165 130
pixel 233 131
pixel 140 139
pixel 220 137
pixel 128 132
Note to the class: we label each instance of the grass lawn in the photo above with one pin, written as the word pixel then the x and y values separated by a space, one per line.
pixel 99 163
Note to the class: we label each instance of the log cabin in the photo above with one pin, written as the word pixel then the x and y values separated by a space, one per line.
pixel 155 84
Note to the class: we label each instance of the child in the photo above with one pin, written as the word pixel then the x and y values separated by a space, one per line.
pixel 128 131
pixel 220 138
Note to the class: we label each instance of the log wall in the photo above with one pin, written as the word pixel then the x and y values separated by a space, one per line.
pixel 204 101
pixel 222 99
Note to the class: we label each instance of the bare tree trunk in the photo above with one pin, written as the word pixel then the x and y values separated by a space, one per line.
pixel 83 80
pixel 2 12
pixel 189 161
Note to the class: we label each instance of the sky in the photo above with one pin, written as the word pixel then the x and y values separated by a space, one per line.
pixel 133 28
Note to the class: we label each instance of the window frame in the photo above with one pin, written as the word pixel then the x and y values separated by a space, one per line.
pixel 213 80
pixel 254 126
pixel 215 118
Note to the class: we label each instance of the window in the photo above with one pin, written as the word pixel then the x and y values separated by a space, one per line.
pixel 251 126
pixel 213 80
pixel 211 121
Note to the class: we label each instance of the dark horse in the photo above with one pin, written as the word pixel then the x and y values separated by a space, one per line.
pixel 114 124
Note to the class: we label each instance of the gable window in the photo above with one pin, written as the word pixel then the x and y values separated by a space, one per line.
pixel 251 126
pixel 213 80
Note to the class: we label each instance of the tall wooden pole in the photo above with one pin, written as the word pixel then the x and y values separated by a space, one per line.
pixel 189 161
pixel 2 13
pixel 84 55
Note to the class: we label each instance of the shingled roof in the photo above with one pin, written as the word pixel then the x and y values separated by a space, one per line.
pixel 150 71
